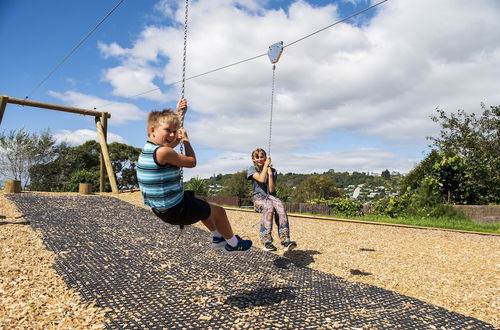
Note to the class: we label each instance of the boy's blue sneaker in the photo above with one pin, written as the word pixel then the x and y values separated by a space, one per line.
pixel 243 245
pixel 218 241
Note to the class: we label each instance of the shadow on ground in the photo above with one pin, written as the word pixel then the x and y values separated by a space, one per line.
pixel 299 258
pixel 260 297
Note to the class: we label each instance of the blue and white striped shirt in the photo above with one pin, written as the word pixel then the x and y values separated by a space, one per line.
pixel 160 184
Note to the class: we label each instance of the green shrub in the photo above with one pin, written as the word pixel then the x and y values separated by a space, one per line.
pixel 341 206
pixel 423 202
pixel 393 207
pixel 82 176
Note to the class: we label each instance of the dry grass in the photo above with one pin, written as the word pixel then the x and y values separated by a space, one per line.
pixel 456 271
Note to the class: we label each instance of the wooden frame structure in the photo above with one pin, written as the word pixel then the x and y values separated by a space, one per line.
pixel 101 119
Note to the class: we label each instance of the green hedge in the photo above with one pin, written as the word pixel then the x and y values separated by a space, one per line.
pixel 341 206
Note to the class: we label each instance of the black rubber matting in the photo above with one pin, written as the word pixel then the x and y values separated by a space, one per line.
pixel 128 261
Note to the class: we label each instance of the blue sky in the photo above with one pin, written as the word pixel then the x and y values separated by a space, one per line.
pixel 355 97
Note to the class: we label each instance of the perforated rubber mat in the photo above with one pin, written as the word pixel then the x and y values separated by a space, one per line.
pixel 129 262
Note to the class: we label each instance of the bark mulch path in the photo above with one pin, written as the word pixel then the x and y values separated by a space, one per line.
pixel 126 261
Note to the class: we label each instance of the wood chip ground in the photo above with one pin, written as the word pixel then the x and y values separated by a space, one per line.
pixel 456 271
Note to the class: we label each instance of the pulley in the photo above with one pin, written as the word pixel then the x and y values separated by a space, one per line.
pixel 275 51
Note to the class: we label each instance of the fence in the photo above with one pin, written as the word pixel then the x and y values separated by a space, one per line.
pixel 289 207
pixel 308 208
pixel 481 213
pixel 478 213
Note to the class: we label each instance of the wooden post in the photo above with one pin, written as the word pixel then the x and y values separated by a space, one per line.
pixel 107 160
pixel 12 186
pixel 102 167
pixel 3 103
pixel 85 188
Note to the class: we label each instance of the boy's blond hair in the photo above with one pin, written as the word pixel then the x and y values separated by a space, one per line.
pixel 155 118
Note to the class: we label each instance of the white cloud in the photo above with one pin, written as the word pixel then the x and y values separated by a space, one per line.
pixel 120 112
pixel 131 82
pixel 381 80
pixel 166 7
pixel 82 135
pixel 111 50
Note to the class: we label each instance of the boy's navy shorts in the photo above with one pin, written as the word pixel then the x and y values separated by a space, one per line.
pixel 190 210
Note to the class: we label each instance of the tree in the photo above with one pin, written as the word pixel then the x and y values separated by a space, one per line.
pixel 476 140
pixel 198 185
pixel 283 192
pixel 124 161
pixel 452 179
pixel 444 176
pixel 386 174
pixel 414 179
pixel 53 175
pixel 20 150
pixel 82 176
pixel 316 187
pixel 237 185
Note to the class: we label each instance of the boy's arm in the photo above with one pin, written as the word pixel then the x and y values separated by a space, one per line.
pixel 168 155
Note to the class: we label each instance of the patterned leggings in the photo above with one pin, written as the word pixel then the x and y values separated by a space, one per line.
pixel 268 206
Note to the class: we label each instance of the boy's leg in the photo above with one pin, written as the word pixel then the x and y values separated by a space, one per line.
pixel 218 220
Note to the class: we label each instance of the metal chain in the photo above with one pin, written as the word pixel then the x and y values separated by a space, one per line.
pixel 271 115
pixel 184 75
pixel 185 51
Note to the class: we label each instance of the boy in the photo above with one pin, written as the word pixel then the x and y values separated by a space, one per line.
pixel 158 173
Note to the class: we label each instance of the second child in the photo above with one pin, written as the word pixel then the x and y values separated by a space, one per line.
pixel 263 178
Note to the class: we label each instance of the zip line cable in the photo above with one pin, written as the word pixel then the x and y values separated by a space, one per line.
pixel 189 78
pixel 74 49
pixel 337 22
pixel 254 57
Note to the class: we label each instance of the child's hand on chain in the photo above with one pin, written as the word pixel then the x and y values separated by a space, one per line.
pixel 182 135
pixel 182 108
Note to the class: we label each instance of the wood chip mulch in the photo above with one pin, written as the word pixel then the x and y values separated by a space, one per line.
pixel 32 295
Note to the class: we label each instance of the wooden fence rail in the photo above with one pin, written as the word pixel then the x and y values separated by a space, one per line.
pixel 289 207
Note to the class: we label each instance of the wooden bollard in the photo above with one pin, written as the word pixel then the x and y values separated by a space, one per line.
pixel 85 188
pixel 12 186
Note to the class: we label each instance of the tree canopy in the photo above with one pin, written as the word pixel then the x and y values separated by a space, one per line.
pixel 72 164
pixel 316 187
pixel 470 147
